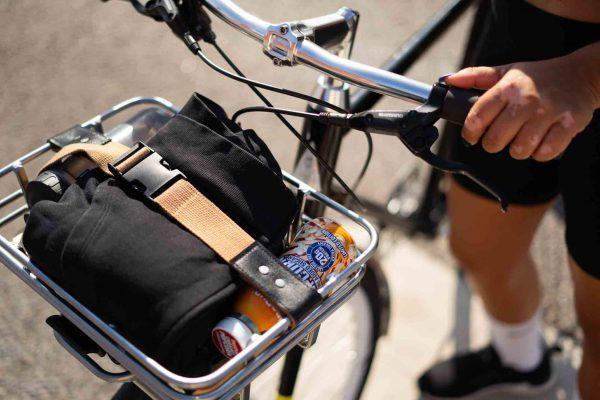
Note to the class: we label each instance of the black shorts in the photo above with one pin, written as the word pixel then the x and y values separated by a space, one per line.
pixel 512 31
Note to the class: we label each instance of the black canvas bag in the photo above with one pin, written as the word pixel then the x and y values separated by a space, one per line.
pixel 159 285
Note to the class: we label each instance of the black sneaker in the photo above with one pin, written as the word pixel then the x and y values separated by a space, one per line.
pixel 481 374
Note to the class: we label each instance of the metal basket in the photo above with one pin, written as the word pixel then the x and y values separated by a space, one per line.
pixel 233 377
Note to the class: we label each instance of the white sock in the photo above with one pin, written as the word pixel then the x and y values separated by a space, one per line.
pixel 519 345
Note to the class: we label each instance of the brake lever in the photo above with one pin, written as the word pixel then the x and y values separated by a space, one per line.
pixel 160 10
pixel 416 129
pixel 182 16
pixel 418 133
pixel 456 167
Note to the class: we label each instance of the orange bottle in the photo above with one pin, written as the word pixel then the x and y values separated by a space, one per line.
pixel 321 248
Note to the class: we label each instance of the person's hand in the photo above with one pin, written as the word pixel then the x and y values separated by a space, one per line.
pixel 535 107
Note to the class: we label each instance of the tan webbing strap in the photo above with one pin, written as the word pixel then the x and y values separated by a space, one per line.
pixel 133 160
pixel 182 201
pixel 101 155
pixel 204 219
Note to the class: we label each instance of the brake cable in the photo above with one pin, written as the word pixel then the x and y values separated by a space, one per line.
pixel 415 128
pixel 240 77
pixel 318 117
pixel 195 48
pixel 305 143
pixel 197 21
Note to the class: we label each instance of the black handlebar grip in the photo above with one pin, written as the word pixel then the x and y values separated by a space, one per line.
pixel 458 102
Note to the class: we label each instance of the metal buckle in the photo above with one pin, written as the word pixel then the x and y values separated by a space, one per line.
pixel 150 176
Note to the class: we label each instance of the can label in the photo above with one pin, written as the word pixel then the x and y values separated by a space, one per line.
pixel 321 256
pixel 226 343
pixel 337 242
pixel 302 270
pixel 322 247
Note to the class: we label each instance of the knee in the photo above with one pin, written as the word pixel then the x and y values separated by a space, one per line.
pixel 464 254
pixel 488 256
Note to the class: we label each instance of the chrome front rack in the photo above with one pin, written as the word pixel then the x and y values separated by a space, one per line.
pixel 233 377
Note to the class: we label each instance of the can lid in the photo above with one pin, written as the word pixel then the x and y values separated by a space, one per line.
pixel 231 336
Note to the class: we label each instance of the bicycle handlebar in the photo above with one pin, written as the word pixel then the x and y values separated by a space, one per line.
pixel 286 46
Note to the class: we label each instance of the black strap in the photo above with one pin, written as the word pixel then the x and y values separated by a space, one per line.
pixel 77 134
pixel 293 297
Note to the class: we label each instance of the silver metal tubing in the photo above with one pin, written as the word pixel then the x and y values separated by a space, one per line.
pixel 21 175
pixel 362 75
pixel 265 347
pixel 253 356
pixel 229 12
pixel 11 197
pixel 14 214
pixel 132 102
pixel 24 159
pixel 308 53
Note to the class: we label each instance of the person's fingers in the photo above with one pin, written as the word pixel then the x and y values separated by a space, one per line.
pixel 554 143
pixel 476 77
pixel 505 127
pixel 482 114
pixel 529 137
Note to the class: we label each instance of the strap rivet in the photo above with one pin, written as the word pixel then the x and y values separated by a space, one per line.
pixel 263 269
pixel 279 283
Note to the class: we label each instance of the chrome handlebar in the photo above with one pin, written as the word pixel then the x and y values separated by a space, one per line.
pixel 288 46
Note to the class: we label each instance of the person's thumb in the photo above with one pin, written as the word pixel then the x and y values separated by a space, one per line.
pixel 477 77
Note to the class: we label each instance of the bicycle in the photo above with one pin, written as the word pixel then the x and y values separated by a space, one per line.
pixel 418 92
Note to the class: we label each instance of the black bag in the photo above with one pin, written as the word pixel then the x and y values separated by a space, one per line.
pixel 159 285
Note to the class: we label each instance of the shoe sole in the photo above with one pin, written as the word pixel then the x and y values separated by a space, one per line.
pixel 515 389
